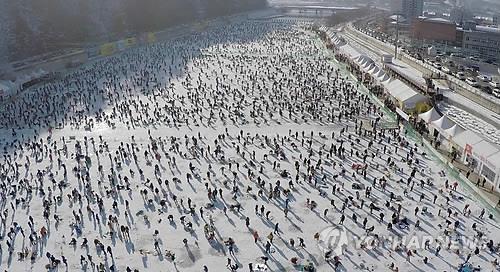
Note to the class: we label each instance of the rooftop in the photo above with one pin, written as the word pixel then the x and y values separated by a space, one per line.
pixel 488 29
pixel 436 20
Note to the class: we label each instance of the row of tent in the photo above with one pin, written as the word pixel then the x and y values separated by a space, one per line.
pixel 334 38
pixel 365 62
pixel 405 97
pixel 479 154
pixel 368 65
pixel 472 149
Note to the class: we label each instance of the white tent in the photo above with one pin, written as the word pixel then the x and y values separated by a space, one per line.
pixel 453 131
pixel 359 59
pixel 443 123
pixel 370 67
pixel 339 41
pixel 406 96
pixel 493 163
pixel 429 116
pixel 466 138
pixel 494 160
pixel 483 150
pixel 374 70
pixel 380 73
pixel 368 63
pixel 384 78
pixel 350 51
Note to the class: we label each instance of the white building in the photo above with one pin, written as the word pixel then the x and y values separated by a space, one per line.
pixel 481 41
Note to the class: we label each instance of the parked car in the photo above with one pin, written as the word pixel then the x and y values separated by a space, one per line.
pixel 437 65
pixel 457 55
pixel 473 58
pixel 484 78
pixel 472 81
pixel 446 70
pixel 495 84
pixel 460 75
pixel 496 93
pixel 449 62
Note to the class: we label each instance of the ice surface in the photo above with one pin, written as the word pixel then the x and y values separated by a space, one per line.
pixel 242 104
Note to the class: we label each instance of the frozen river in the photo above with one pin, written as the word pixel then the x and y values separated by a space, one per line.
pixel 243 148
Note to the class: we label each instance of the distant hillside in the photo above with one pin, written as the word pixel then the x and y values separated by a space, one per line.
pixel 30 27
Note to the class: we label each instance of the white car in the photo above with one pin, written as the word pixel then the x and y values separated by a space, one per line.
pixel 446 70
pixel 496 93
pixel 471 81
pixel 460 75
pixel 495 84
pixel 473 58
pixel 437 65
pixel 483 78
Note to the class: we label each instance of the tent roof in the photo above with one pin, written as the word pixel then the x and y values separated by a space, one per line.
pixel 454 130
pixel 367 63
pixel 403 93
pixel 369 67
pixel 467 137
pixel 443 123
pixel 407 72
pixel 494 160
pixel 380 73
pixel 429 116
pixel 384 77
pixel 374 70
pixel 349 50
pixel 484 149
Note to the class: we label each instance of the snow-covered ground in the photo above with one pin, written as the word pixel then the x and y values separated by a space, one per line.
pixel 180 143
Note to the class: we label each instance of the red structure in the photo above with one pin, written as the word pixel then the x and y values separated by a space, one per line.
pixel 434 29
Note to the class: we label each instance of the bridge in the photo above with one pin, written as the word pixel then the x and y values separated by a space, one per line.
pixel 320 10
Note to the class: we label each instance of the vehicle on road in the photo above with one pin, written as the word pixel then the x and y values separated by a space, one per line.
pixel 495 84
pixel 473 58
pixel 484 78
pixel 496 93
pixel 457 55
pixel 472 81
pixel 460 75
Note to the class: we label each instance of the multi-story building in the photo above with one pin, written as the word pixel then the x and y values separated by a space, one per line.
pixel 481 41
pixel 412 9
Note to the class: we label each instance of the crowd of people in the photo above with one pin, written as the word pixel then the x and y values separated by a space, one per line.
pixel 231 149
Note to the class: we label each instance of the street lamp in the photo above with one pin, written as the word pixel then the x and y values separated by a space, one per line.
pixel 397 37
